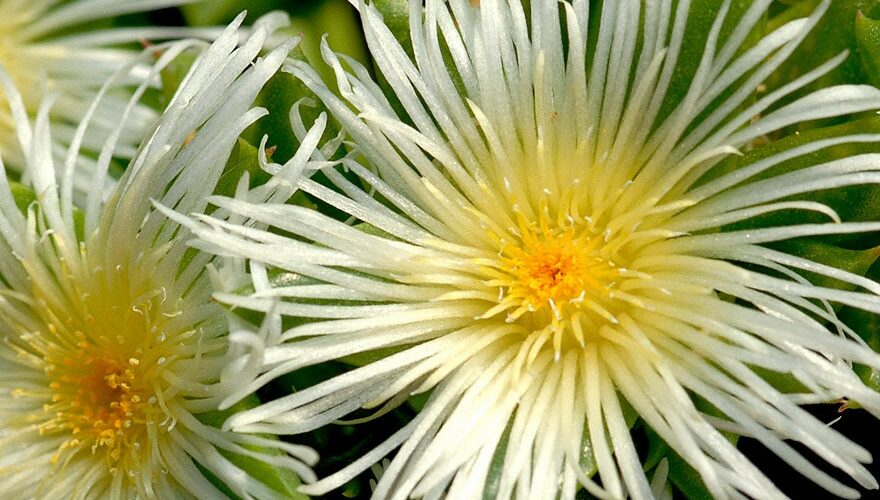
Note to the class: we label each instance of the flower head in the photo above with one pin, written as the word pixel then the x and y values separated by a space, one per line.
pixel 536 243
pixel 111 349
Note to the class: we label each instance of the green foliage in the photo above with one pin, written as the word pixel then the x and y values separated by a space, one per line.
pixel 396 16
pixel 212 12
pixel 868 37
pixel 496 466
pixel 284 481
pixel 686 478
pixel 835 34
pixel 278 96
pixel 243 160
pixel 854 203
pixel 854 261
pixel 173 74
pixel 25 197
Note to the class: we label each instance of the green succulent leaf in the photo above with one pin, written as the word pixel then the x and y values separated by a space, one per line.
pixel 658 449
pixel 868 37
pixel 855 261
pixel 686 478
pixel 835 33
pixel 853 203
pixel 173 74
pixel 284 481
pixel 496 466
pixel 243 160
pixel 396 16
pixel 24 197
pixel 279 95
pixel 217 12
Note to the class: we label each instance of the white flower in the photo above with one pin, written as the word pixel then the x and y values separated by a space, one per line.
pixel 43 56
pixel 111 348
pixel 531 246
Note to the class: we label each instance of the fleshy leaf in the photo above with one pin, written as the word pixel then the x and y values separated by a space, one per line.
pixel 284 481
pixel 24 197
pixel 244 159
pixel 855 261
pixel 834 34
pixel 278 96
pixel 218 12
pixel 686 478
pixel 868 37
pixel 396 16
pixel 854 203
pixel 173 74
pixel 657 449
pixel 496 466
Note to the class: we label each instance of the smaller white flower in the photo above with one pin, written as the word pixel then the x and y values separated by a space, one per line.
pixel 44 54
pixel 111 347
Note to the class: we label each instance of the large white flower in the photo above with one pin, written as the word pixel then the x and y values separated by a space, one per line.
pixel 45 50
pixel 530 244
pixel 111 347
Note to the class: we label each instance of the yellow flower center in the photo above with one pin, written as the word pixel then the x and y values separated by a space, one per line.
pixel 99 399
pixel 554 270
pixel 559 279
pixel 106 359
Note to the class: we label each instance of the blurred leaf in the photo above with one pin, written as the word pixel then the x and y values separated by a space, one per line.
pixel 24 197
pixel 854 261
pixel 368 357
pixel 867 325
pixel 341 22
pixel 244 159
pixel 396 16
pixel 657 449
pixel 418 401
pixel 496 466
pixel 782 382
pixel 686 478
pixel 284 481
pixel 681 474
pixel 853 203
pixel 834 34
pixel 173 74
pixel 868 37
pixel 218 12
pixel 278 96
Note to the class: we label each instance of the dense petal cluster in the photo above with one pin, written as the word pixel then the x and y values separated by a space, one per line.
pixel 111 347
pixel 531 241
